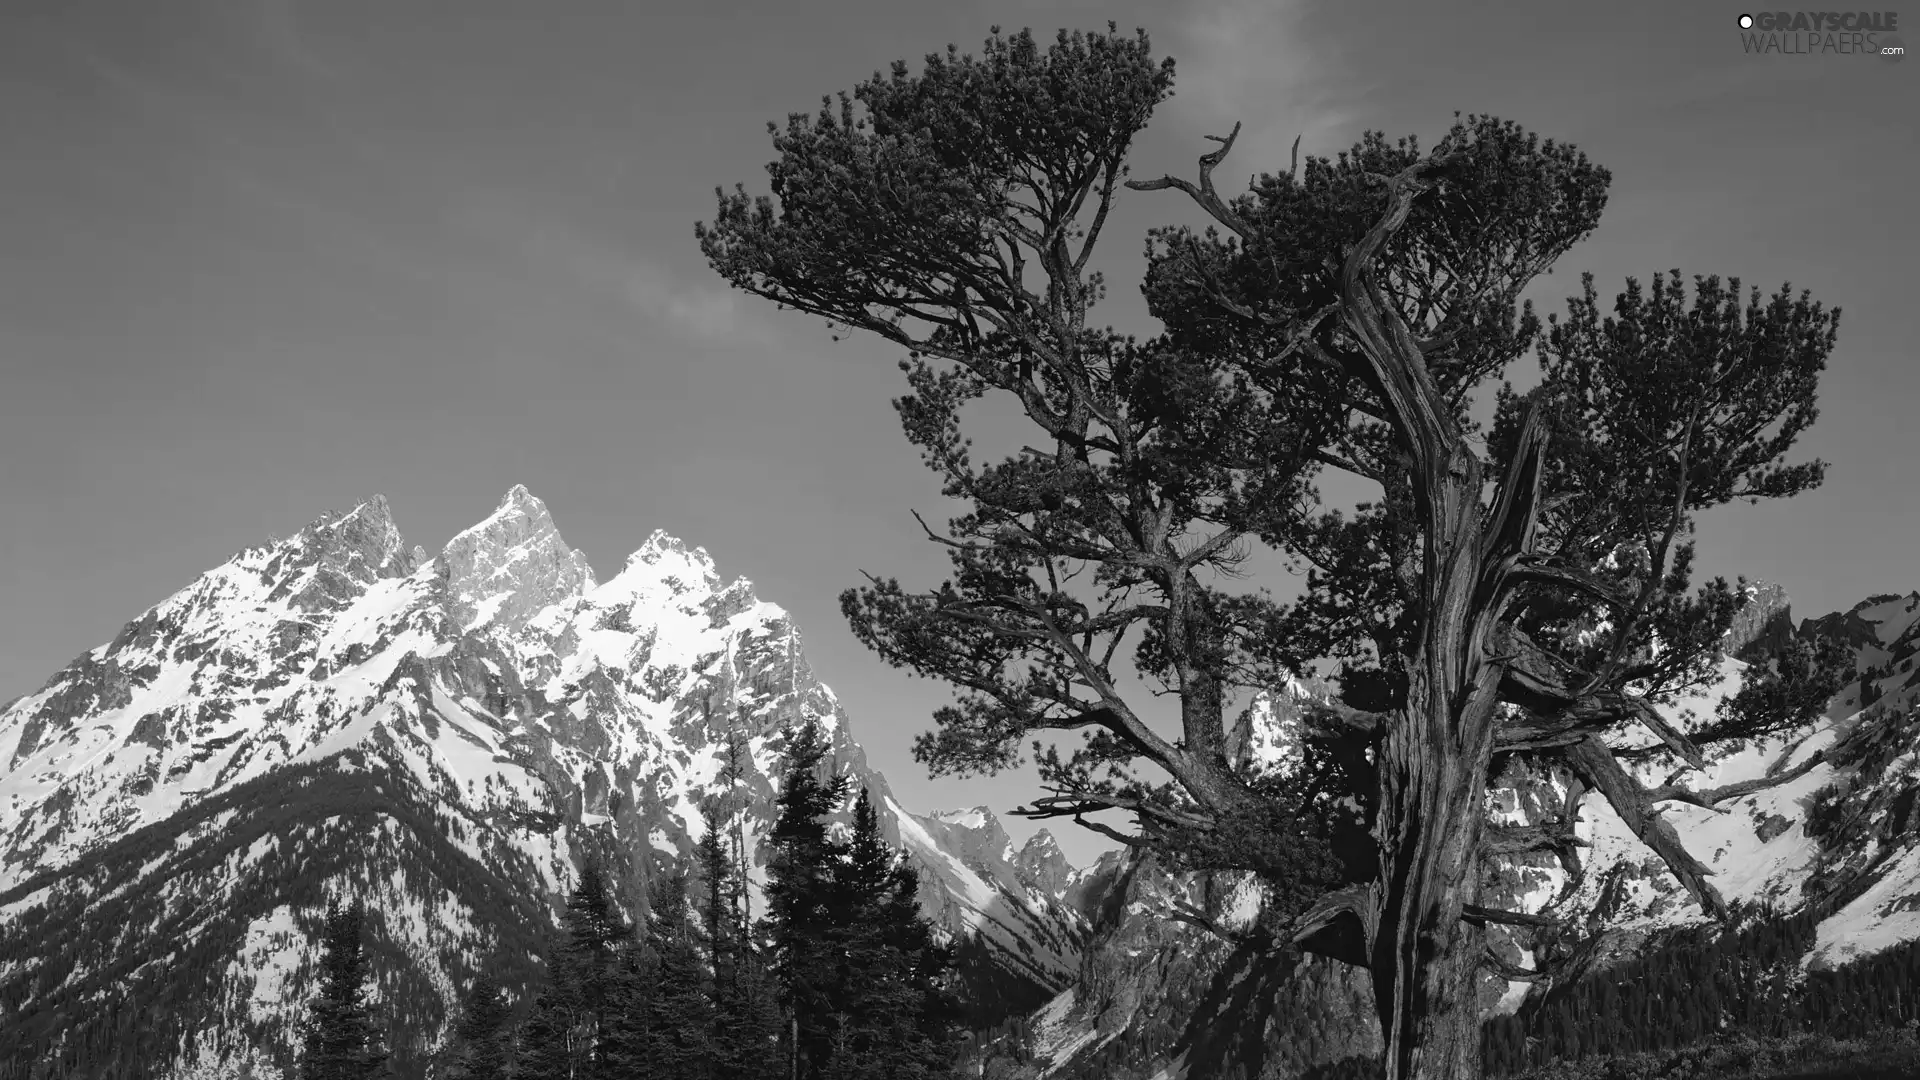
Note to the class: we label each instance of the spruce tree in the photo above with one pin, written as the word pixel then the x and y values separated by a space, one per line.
pixel 341 1042
pixel 480 1046
pixel 894 985
pixel 584 985
pixel 589 970
pixel 625 1016
pixel 594 931
pixel 746 1021
pixel 542 1048
pixel 679 1035
pixel 800 888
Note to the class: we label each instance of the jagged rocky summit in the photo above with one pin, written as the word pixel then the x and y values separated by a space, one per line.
pixel 449 737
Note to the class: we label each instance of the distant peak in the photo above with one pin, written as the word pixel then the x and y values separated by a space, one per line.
pixel 1879 598
pixel 661 544
pixel 368 529
pixel 516 555
pixel 518 500
pixel 373 511
pixel 664 555
pixel 973 817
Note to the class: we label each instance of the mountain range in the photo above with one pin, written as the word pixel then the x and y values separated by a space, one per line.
pixel 453 736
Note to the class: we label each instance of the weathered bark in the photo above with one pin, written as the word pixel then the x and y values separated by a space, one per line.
pixel 1433 770
pixel 1433 761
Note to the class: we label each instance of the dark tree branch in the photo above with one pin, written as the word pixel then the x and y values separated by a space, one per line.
pixel 1596 765
pixel 1203 193
pixel 1711 798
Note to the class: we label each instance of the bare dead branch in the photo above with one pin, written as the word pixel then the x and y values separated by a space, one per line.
pixel 1203 192
pixel 1334 717
pixel 1596 765
pixel 1709 799
pixel 1509 531
pixel 1052 806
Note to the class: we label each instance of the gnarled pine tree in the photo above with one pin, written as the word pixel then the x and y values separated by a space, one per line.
pixel 1533 600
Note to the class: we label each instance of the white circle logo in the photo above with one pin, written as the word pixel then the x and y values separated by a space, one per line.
pixel 1746 22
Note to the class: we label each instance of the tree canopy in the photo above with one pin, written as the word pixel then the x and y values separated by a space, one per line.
pixel 1522 589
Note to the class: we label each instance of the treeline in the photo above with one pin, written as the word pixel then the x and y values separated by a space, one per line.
pixel 1702 983
pixel 840 978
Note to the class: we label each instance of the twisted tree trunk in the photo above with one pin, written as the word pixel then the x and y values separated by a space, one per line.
pixel 1432 774
pixel 1436 751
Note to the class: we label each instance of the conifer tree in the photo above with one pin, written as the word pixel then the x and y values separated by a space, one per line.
pixel 720 933
pixel 541 1052
pixel 1529 592
pixel 584 984
pixel 899 1016
pixel 594 932
pixel 480 1048
pixel 624 1016
pixel 800 894
pixel 341 1041
pixel 746 1020
pixel 679 1036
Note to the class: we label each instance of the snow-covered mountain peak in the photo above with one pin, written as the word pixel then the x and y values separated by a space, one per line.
pixel 1042 865
pixel 511 565
pixel 975 817
pixel 669 556
pixel 1266 736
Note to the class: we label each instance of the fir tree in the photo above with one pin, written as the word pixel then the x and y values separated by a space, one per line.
pixel 748 1020
pixel 341 1042
pixel 589 975
pixel 480 1047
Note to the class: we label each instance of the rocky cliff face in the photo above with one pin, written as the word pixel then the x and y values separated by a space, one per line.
pixel 447 737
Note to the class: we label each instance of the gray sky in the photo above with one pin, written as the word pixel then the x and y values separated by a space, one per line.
pixel 260 260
